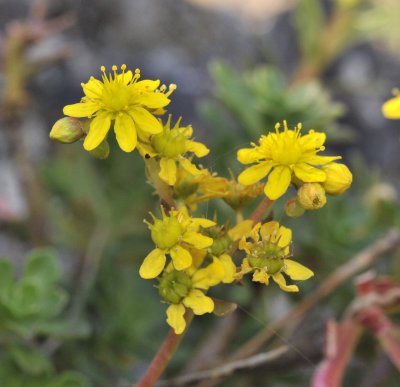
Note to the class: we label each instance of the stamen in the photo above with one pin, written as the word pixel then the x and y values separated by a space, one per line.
pixel 102 69
pixel 123 67
pixel 285 124
pixel 172 87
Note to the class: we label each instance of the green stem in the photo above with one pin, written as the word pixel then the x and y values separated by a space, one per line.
pixel 164 355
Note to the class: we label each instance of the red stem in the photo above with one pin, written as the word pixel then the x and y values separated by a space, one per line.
pixel 261 210
pixel 163 356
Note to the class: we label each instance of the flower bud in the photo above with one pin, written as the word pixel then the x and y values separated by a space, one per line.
pixel 174 286
pixel 338 178
pixel 220 245
pixel 311 196
pixel 67 130
pixel 165 233
pixel 102 151
pixel 293 208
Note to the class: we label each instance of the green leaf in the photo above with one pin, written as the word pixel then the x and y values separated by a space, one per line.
pixel 71 379
pixel 43 264
pixel 53 302
pixel 6 278
pixel 64 329
pixel 30 360
pixel 26 298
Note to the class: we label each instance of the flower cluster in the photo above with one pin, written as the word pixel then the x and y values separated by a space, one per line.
pixel 193 254
pixel 287 157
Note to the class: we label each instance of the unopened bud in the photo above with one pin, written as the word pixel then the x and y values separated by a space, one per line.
pixel 293 208
pixel 311 196
pixel 67 130
pixel 338 178
pixel 220 245
pixel 102 151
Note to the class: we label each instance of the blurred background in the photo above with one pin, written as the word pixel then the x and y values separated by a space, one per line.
pixel 76 313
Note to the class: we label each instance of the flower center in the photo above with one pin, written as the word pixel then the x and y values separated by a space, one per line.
pixel 267 256
pixel 287 150
pixel 166 233
pixel 116 96
pixel 169 144
pixel 174 286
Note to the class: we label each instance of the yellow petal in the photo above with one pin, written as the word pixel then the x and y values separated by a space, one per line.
pixel 98 130
pixel 198 302
pixel 125 132
pixel 145 120
pixel 125 77
pixel 148 84
pixel 211 275
pixel 168 170
pixel 312 141
pixel 197 148
pixel 81 109
pixel 180 257
pixel 278 182
pixel 146 149
pixel 93 89
pixel 153 264
pixel 255 173
pixel 197 240
pixel 229 268
pixel 189 167
pixel 280 280
pixel 242 228
pixel 261 276
pixel 249 155
pixel 244 269
pixel 391 108
pixel 320 160
pixel 154 100
pixel 269 230
pixel 196 222
pixel 309 174
pixel 296 271
pixel 175 319
pixel 285 237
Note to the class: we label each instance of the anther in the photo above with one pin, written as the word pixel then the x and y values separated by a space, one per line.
pixel 114 68
pixel 123 67
pixel 103 69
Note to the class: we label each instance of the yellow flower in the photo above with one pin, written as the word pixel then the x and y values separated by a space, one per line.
pixel 284 153
pixel 174 235
pixel 391 108
pixel 124 100
pixel 171 145
pixel 186 289
pixel 267 256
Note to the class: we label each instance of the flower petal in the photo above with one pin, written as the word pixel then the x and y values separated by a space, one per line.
pixel 180 257
pixel 309 174
pixel 81 109
pixel 126 77
pixel 125 132
pixel 269 230
pixel 154 100
pixel 391 108
pixel 261 276
pixel 146 149
pixel 145 120
pixel 93 89
pixel 278 182
pixel 312 140
pixel 98 130
pixel 197 148
pixel 249 155
pixel 319 160
pixel 203 222
pixel 153 264
pixel 175 319
pixel 297 271
pixel 197 240
pixel 229 268
pixel 168 170
pixel 211 275
pixel 242 228
pixel 199 302
pixel 255 173
pixel 280 280
pixel 189 167
pixel 148 84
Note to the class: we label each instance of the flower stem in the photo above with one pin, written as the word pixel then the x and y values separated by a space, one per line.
pixel 164 355
pixel 261 210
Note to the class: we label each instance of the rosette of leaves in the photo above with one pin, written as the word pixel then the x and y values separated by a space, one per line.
pixel 31 309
